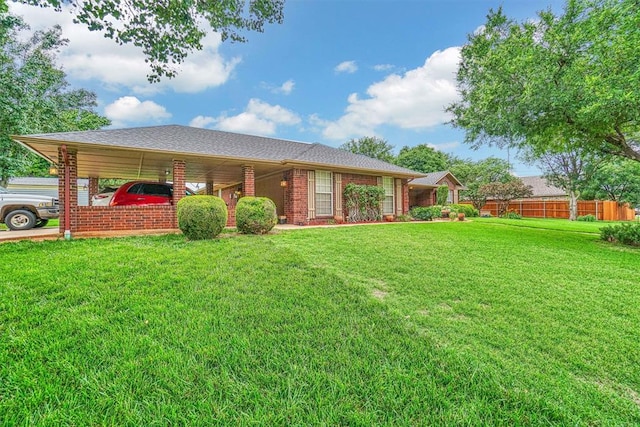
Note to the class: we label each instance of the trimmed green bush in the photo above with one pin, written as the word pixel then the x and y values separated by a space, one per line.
pixel 511 215
pixel 421 213
pixel 468 210
pixel 201 217
pixel 587 218
pixel 627 234
pixel 255 215
pixel 403 218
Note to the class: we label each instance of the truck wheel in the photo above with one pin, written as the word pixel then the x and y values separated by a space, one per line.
pixel 20 220
pixel 41 223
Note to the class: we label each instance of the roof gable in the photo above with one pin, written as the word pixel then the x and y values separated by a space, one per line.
pixel 433 179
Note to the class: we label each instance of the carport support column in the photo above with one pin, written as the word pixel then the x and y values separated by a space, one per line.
pixel 67 189
pixel 209 187
pixel 405 197
pixel 179 184
pixel 249 182
pixel 93 187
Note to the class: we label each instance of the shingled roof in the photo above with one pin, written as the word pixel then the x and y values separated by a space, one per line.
pixel 432 179
pixel 541 188
pixel 214 143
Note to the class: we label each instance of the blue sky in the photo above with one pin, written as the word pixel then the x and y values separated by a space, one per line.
pixel 335 70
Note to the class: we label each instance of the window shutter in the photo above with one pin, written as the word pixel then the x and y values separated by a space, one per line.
pixel 338 194
pixel 399 196
pixel 311 194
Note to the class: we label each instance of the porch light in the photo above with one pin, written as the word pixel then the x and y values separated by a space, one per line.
pixel 283 182
pixel 53 170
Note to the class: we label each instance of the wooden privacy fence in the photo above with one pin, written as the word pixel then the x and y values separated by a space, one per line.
pixel 602 210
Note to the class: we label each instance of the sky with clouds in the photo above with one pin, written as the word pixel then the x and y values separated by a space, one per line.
pixel 333 71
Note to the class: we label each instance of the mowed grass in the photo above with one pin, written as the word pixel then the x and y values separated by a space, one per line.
pixel 402 324
pixel 553 224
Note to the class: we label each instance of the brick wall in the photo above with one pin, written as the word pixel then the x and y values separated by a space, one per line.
pixel 228 196
pixel 113 218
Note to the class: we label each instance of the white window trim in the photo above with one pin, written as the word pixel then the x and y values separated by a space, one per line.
pixel 331 191
pixel 392 186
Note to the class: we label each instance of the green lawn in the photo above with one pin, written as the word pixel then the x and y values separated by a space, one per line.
pixel 53 223
pixel 469 323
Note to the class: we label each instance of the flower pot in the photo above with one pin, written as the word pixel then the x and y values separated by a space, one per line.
pixel 461 216
pixel 445 213
pixel 282 220
pixel 389 218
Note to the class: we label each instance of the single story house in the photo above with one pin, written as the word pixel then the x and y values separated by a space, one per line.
pixel 306 181
pixel 423 190
pixel 542 190
pixel 43 186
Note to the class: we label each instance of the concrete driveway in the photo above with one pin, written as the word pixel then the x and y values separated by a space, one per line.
pixel 33 234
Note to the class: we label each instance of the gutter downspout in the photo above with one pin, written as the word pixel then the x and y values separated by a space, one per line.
pixel 67 193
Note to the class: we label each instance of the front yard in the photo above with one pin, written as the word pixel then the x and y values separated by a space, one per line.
pixel 410 324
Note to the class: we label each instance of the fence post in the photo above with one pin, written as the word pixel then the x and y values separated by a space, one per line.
pixel 597 218
pixel 544 208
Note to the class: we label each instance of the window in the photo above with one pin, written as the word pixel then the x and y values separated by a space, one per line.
pixel 450 197
pixel 324 193
pixel 387 204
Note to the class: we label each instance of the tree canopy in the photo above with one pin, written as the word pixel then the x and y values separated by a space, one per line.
pixel 616 179
pixel 476 174
pixel 35 97
pixel 370 146
pixel 167 31
pixel 554 79
pixel 423 158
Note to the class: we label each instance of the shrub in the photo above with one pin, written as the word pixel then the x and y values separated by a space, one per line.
pixel 627 234
pixel 363 202
pixel 511 215
pixel 587 218
pixel 453 215
pixel 403 218
pixel 468 210
pixel 201 217
pixel 442 194
pixel 255 215
pixel 422 213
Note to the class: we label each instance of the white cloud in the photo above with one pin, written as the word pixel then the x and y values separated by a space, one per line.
pixel 383 67
pixel 287 87
pixel 129 109
pixel 90 56
pixel 445 146
pixel 414 100
pixel 259 118
pixel 346 67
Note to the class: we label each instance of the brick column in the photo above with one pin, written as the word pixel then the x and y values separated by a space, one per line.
pixel 94 187
pixel 405 197
pixel 249 182
pixel 72 162
pixel 295 196
pixel 179 183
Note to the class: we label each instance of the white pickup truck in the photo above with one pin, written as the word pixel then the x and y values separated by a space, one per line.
pixel 25 211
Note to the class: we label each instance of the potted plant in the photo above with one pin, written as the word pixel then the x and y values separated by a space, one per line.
pixel 460 216
pixel 282 219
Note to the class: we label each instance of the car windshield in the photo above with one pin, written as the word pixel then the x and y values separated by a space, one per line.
pixel 3 190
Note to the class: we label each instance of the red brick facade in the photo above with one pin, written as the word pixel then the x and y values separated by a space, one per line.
pixel 249 181
pixel 114 218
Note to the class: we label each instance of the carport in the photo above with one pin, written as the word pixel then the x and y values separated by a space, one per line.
pixel 175 154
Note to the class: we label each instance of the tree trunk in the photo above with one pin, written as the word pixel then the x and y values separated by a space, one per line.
pixel 573 205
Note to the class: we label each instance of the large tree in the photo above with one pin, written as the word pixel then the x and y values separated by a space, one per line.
pixel 370 146
pixel 569 169
pixel 167 31
pixel 35 97
pixel 557 78
pixel 616 179
pixel 474 175
pixel 423 158
pixel 504 192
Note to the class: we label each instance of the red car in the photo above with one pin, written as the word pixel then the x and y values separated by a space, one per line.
pixel 144 193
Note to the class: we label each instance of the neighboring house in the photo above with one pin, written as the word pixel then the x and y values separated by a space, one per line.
pixel 423 191
pixel 542 190
pixel 46 187
pixel 306 181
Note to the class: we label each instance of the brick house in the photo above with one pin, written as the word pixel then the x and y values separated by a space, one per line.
pixel 306 181
pixel 422 191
